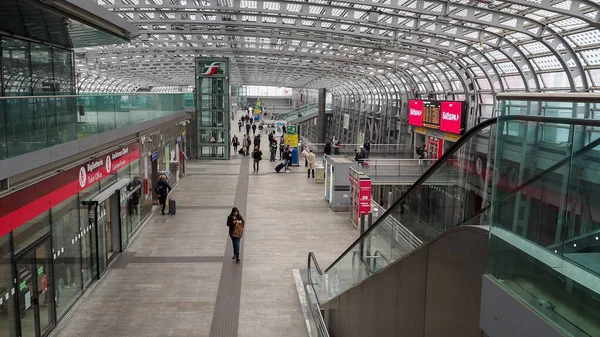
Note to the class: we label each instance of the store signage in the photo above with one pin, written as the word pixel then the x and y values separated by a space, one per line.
pixel 364 196
pixel 421 130
pixel 154 156
pixel 451 137
pixel 415 112
pixel 20 207
pixel 211 68
pixel 451 117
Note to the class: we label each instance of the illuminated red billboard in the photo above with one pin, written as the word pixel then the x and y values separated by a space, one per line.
pixel 415 112
pixel 451 117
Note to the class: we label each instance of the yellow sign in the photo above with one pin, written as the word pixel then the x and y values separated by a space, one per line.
pixel 451 137
pixel 291 140
pixel 256 111
pixel 419 129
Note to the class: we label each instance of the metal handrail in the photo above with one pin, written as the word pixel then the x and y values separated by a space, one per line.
pixel 448 154
pixel 94 94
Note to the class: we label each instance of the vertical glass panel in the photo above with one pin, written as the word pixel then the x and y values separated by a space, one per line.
pixel 63 72
pixel 16 67
pixel 45 287
pixel 41 70
pixel 28 297
pixel 3 132
pixel 67 249
pixel 31 231
pixel 8 316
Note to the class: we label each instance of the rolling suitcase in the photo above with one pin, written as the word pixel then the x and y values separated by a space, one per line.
pixel 279 167
pixel 172 206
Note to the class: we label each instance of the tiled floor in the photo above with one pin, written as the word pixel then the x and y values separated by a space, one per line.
pixel 166 283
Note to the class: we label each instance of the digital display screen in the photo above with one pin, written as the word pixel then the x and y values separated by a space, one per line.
pixel 451 117
pixel 415 112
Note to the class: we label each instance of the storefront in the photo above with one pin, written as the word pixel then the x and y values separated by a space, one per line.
pixel 58 235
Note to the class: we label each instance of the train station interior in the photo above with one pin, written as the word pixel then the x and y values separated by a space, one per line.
pixel 431 172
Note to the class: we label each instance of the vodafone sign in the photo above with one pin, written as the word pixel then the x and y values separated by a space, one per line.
pixel 451 117
pixel 415 112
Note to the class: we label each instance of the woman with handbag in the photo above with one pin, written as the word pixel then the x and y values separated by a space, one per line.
pixel 236 223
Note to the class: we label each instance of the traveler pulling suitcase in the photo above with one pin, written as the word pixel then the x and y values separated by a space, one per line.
pixel 172 206
pixel 279 167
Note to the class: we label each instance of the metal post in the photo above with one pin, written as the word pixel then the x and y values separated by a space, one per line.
pixel 362 231
pixel 389 199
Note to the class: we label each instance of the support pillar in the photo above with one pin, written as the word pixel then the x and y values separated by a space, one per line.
pixel 321 119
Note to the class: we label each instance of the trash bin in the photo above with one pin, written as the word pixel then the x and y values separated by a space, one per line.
pixel 320 174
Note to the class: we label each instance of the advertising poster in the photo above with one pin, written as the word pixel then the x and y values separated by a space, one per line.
pixel 434 147
pixel 364 201
pixel 415 112
pixel 451 117
pixel 361 138
pixel 279 128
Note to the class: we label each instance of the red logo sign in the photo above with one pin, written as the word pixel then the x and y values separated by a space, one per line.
pixel 451 117
pixel 415 112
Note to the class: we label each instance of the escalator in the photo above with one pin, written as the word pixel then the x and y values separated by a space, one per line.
pixel 418 270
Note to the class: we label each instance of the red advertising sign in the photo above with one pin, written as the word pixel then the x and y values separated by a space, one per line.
pixel 434 147
pixel 364 197
pixel 20 207
pixel 44 283
pixel 415 112
pixel 451 117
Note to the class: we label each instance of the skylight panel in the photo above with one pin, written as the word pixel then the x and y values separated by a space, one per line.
pixel 315 9
pixel 248 4
pixel 547 62
pixel 294 7
pixel 586 38
pixel 592 57
pixel 274 6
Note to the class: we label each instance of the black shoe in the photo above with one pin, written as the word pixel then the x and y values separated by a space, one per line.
pixel 233 257
pixel 238 260
pixel 163 213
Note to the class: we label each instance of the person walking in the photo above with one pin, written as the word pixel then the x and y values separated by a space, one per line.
pixel 273 148
pixel 310 158
pixel 257 141
pixel 163 189
pixel 236 224
pixel 247 126
pixel 239 126
pixel 254 129
pixel 235 142
pixel 257 156
pixel 249 142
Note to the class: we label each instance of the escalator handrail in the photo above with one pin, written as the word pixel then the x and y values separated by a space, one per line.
pixel 454 148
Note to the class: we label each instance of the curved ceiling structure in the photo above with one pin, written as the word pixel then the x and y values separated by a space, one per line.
pixel 413 46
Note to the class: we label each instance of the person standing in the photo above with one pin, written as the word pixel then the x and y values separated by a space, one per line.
pixel 247 126
pixel 273 148
pixel 163 189
pixel 257 156
pixel 254 129
pixel 239 126
pixel 327 149
pixel 281 148
pixel 235 142
pixel 236 223
pixel 367 147
pixel 310 158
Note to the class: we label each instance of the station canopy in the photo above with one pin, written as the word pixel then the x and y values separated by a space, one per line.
pixel 450 47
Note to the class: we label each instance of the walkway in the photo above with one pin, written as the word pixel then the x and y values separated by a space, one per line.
pixel 177 278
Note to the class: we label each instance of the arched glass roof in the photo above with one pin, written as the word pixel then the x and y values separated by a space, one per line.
pixel 425 47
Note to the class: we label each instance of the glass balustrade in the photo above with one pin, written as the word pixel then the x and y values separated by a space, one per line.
pixel 544 242
pixel 32 123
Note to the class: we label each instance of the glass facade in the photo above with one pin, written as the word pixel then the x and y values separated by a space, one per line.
pixel 30 68
pixel 213 108
pixel 55 254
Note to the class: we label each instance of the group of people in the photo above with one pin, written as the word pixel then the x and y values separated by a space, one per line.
pixel 250 124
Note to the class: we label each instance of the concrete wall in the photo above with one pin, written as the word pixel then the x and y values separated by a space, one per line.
pixel 433 292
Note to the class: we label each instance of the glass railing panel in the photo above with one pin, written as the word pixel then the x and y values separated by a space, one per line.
pixel 543 245
pixel 32 123
pixel 439 202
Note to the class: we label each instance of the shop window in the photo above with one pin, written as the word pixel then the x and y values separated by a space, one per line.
pixel 33 230
pixel 8 318
pixel 67 255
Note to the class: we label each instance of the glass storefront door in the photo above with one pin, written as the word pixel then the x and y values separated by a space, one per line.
pixel 35 294
pixel 89 247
